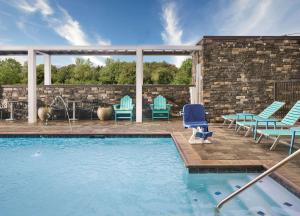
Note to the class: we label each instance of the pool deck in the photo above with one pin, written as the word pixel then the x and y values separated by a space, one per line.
pixel 228 150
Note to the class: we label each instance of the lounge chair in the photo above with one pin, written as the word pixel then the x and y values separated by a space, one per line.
pixel 278 130
pixel 160 109
pixel 124 110
pixel 194 117
pixel 266 113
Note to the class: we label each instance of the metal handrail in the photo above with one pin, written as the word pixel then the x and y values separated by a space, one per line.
pixel 267 172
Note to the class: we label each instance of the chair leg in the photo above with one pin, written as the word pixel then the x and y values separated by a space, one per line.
pixel 224 123
pixel 248 131
pixel 236 126
pixel 259 138
pixel 231 123
pixel 292 142
pixel 238 129
pixel 275 143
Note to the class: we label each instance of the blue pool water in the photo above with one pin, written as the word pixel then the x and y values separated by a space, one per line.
pixel 122 176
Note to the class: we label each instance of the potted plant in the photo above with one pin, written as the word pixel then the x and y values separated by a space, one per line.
pixel 45 111
pixel 104 112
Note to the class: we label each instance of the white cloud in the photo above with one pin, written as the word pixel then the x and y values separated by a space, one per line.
pixel 258 17
pixel 62 23
pixel 41 6
pixel 172 33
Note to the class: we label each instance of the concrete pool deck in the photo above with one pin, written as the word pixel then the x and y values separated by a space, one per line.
pixel 227 149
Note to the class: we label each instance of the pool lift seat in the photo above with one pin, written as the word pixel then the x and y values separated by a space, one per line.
pixel 194 117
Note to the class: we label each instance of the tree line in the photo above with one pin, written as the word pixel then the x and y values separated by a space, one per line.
pixel 84 72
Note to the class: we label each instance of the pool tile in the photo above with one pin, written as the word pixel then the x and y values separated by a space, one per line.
pixel 260 213
pixel 287 204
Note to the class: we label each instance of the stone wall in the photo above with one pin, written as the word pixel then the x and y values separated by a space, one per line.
pixel 178 95
pixel 239 72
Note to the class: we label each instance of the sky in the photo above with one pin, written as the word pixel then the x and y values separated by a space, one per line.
pixel 139 22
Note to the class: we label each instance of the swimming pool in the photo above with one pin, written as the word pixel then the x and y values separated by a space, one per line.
pixel 122 176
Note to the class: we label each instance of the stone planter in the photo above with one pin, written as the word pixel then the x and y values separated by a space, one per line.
pixel 43 113
pixel 104 113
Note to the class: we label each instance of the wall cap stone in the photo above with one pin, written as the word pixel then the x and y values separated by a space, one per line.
pixel 95 85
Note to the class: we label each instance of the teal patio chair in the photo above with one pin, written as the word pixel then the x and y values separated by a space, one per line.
pixel 266 113
pixel 160 109
pixel 124 110
pixel 278 130
pixel 243 120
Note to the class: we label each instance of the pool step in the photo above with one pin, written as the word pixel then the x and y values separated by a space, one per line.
pixel 255 203
pixel 278 193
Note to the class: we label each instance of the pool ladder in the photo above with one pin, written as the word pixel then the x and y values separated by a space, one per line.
pixel 267 172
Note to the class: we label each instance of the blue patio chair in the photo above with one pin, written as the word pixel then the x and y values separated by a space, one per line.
pixel 266 113
pixel 194 117
pixel 124 110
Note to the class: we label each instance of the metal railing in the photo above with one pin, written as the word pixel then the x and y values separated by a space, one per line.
pixel 287 91
pixel 267 172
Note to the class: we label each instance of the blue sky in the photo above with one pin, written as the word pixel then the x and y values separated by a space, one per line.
pixel 175 22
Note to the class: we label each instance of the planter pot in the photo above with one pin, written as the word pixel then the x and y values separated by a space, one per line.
pixel 43 113
pixel 104 113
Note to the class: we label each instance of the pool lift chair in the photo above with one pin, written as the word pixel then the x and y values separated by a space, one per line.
pixel 194 117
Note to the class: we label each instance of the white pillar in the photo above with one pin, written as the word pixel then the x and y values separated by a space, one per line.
pixel 199 85
pixel 139 85
pixel 47 69
pixel 32 110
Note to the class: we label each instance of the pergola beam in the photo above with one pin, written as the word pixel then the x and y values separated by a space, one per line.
pixel 101 50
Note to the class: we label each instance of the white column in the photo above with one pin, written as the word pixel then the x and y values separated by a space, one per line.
pixel 47 69
pixel 32 110
pixel 199 85
pixel 139 85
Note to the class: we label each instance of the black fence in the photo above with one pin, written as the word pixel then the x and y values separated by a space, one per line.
pixel 287 91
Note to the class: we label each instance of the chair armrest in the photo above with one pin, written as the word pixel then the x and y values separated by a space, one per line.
pixel 169 106
pixel 116 106
pixel 245 115
pixel 151 106
pixel 295 129
pixel 267 121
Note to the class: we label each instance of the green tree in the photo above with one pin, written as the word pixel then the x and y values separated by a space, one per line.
pixel 83 72
pixel 126 74
pixel 109 73
pixel 163 73
pixel 63 74
pixel 10 71
pixel 39 73
pixel 184 74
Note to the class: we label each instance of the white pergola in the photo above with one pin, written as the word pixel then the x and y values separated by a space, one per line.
pixel 48 51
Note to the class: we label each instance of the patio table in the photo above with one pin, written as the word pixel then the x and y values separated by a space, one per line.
pixel 74 109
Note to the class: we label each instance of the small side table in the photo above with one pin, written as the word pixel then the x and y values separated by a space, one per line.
pixel 74 109
pixel 11 105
